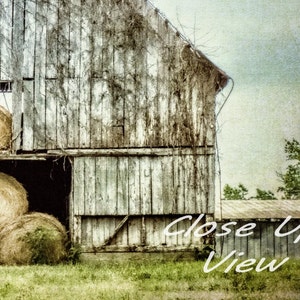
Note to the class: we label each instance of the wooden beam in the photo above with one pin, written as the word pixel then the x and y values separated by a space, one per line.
pixel 134 152
pixel 120 225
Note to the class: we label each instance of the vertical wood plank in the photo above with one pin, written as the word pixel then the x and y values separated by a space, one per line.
pixel 134 185
pixel 244 244
pixel 97 242
pixel 181 182
pixel 83 233
pixel 112 187
pixel 162 90
pixel 88 232
pixel 28 115
pixel 145 185
pixel 62 103
pixel 292 248
pixel 105 108
pixel 97 113
pixel 107 76
pixel 101 186
pixel 270 239
pixel 170 241
pixel 231 243
pixel 257 241
pixel 51 119
pixel 264 240
pixel 202 172
pixel 39 70
pixel 79 186
pixel 157 188
pixel 63 40
pixel 72 112
pixel 199 179
pixel 209 175
pixel 282 244
pixel 17 67
pixel 122 192
pixel 85 71
pixel 75 38
pixel 169 203
pixel 119 86
pixel 190 184
pixel 98 232
pixel 90 185
pixel 6 21
pixel 52 39
pixel 29 39
pixel 181 239
pixel 135 229
pixel 141 103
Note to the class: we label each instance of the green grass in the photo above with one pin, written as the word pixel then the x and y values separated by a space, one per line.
pixel 134 280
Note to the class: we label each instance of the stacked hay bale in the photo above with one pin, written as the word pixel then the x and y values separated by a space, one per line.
pixel 5 128
pixel 13 199
pixel 33 238
pixel 27 238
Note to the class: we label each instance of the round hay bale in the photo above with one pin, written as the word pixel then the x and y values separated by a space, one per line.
pixel 13 198
pixel 34 238
pixel 5 128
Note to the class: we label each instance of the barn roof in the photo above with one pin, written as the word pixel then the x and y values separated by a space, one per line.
pixel 259 209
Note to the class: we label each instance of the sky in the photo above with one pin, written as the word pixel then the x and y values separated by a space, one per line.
pixel 257 43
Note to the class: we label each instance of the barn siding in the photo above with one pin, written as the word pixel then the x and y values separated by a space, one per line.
pixel 149 190
pixel 142 185
pixel 6 17
pixel 262 243
pixel 139 233
pixel 118 77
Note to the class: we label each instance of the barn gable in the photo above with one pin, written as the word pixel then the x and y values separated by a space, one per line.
pixel 104 74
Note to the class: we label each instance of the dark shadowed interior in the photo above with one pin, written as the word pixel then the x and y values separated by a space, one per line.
pixel 47 182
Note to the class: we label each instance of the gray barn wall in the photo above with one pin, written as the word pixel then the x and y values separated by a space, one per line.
pixel 103 74
pixel 152 190
pixel 263 243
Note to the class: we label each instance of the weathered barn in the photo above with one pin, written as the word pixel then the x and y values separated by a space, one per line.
pixel 113 119
pixel 268 215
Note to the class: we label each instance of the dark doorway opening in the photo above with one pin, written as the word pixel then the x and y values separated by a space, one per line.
pixel 47 182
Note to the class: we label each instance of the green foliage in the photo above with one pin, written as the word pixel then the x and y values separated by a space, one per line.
pixel 235 193
pixel 264 195
pixel 292 149
pixel 73 253
pixel 41 242
pixel 291 178
pixel 202 254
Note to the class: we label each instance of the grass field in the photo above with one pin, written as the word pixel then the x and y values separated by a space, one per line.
pixel 140 280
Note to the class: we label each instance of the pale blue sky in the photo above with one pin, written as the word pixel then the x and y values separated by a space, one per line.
pixel 258 44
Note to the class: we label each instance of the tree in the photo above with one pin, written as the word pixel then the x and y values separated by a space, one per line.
pixel 235 193
pixel 264 195
pixel 291 178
